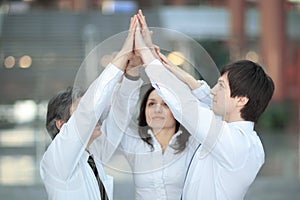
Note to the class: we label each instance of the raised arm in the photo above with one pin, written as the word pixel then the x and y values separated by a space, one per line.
pixel 66 149
pixel 121 113
pixel 200 89
pixel 198 120
pixel 64 152
pixel 123 105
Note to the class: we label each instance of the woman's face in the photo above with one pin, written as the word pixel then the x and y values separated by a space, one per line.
pixel 158 114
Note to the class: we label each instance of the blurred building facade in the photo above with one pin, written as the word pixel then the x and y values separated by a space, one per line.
pixel 44 42
pixel 273 39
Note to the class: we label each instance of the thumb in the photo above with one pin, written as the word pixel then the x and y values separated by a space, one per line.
pixel 163 57
pixel 156 48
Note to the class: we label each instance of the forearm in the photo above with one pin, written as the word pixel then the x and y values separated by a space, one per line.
pixel 125 101
pixel 116 124
pixel 96 100
pixel 193 83
pixel 183 104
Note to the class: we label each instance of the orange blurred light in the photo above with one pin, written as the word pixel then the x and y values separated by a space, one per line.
pixel 176 57
pixel 9 62
pixel 25 61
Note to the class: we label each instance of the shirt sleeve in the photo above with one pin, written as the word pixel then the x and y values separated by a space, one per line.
pixel 126 101
pixel 120 115
pixel 64 152
pixel 203 93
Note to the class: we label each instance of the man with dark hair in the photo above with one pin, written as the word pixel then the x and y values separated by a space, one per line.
pixel 231 153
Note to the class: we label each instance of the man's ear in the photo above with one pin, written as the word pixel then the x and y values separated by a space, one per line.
pixel 242 101
pixel 59 123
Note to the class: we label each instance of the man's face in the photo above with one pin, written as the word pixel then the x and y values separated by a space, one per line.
pixel 223 105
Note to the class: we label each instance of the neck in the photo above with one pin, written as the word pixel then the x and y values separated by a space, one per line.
pixel 164 136
pixel 233 117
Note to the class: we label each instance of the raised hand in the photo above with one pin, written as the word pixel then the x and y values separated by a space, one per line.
pixel 146 33
pixel 141 49
pixel 125 54
pixel 178 72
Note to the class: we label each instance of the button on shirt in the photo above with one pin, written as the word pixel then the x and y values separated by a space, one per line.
pixel 64 168
pixel 230 155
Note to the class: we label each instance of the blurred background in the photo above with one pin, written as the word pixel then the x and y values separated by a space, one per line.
pixel 43 43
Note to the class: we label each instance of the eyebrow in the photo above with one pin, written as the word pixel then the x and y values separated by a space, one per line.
pixel 151 99
pixel 221 80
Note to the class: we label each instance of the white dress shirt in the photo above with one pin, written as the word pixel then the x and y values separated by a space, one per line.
pixel 231 154
pixel 64 168
pixel 156 175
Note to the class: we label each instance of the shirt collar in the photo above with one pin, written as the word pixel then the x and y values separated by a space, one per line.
pixel 247 126
pixel 173 139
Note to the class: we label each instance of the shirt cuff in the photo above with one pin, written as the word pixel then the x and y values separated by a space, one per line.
pixel 114 68
pixel 155 62
pixel 203 91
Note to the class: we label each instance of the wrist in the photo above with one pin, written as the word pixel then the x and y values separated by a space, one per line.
pixel 193 83
pixel 120 61
pixel 147 56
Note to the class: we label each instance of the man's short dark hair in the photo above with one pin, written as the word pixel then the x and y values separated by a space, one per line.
pixel 248 79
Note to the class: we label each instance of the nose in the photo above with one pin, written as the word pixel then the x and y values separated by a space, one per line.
pixel 213 90
pixel 158 108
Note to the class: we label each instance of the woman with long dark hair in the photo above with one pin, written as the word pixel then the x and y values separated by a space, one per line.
pixel 157 147
pixel 146 121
